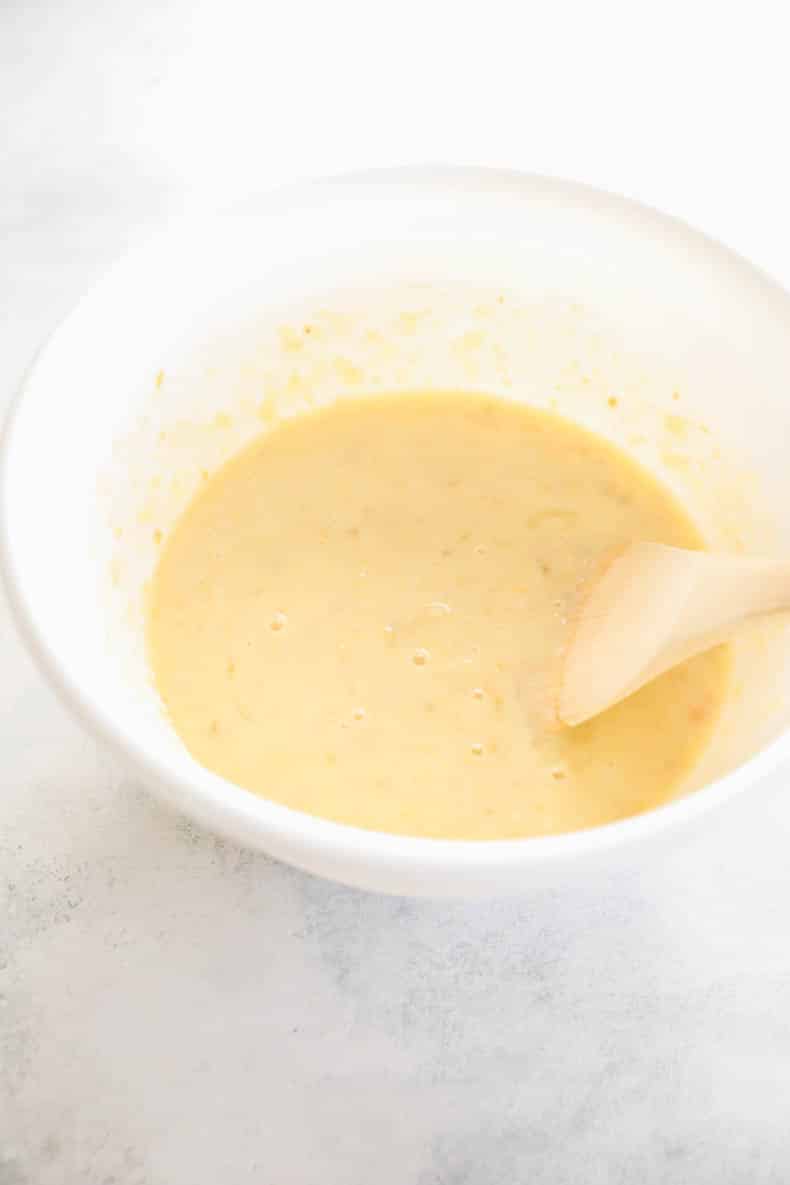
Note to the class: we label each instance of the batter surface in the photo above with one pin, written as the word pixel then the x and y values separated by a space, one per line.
pixel 359 616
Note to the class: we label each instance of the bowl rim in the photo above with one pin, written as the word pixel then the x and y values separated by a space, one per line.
pixel 225 807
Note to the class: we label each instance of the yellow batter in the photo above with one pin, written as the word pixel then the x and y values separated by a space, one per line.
pixel 359 616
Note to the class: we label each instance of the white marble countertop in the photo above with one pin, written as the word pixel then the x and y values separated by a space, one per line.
pixel 175 1011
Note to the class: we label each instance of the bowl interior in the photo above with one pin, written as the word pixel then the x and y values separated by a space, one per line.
pixel 536 290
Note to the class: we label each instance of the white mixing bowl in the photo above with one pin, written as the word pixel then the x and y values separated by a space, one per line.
pixel 449 278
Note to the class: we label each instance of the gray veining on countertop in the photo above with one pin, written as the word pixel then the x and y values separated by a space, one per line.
pixel 175 1011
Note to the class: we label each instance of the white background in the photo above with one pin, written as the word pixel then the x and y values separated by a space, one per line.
pixel 174 1011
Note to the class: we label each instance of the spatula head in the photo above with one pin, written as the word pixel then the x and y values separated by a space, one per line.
pixel 627 627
